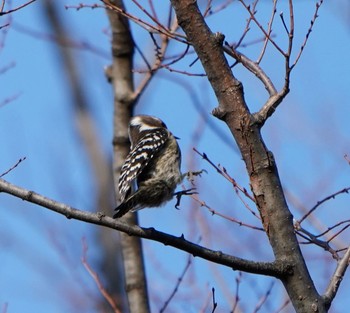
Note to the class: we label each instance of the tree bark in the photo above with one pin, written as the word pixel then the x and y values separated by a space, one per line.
pixel 260 163
pixel 111 262
pixel 122 79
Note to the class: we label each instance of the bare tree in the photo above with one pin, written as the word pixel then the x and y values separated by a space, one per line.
pixel 185 26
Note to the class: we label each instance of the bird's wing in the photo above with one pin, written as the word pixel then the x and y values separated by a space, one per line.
pixel 139 157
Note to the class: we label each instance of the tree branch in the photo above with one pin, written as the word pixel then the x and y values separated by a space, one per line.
pixel 123 87
pixel 332 196
pixel 274 269
pixel 15 9
pixel 107 296
pixel 336 279
pixel 110 263
pixel 253 67
pixel 261 166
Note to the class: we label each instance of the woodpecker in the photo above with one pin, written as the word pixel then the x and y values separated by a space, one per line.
pixel 153 165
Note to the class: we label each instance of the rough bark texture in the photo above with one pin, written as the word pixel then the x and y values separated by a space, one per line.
pixel 122 79
pixel 260 163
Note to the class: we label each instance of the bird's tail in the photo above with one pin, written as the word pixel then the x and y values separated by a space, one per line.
pixel 122 209
pixel 131 204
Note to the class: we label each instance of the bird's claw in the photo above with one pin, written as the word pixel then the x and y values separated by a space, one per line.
pixel 191 174
pixel 181 193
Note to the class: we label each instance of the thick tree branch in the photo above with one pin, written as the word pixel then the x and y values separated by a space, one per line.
pixel 275 269
pixel 260 163
pixel 86 128
pixel 123 87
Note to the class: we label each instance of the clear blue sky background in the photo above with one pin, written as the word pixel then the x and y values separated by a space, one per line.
pixel 40 266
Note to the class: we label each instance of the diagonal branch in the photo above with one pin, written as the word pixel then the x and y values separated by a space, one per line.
pixel 274 269
pixel 13 167
pixel 107 296
pixel 179 280
pixel 266 33
pixel 332 196
pixel 260 163
pixel 110 5
pixel 253 67
pixel 336 279
pixel 273 102
pixel 2 12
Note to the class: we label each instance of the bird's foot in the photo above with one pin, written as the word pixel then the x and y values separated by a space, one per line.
pixel 181 193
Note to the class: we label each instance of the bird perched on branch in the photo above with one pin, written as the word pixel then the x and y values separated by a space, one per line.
pixel 153 164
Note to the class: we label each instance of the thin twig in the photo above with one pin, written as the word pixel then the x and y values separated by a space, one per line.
pixel 8 100
pixel 176 288
pixel 231 219
pixel 215 304
pixel 284 23
pixel 2 5
pixel 264 298
pixel 15 9
pixel 338 233
pixel 207 10
pixel 5 25
pixel 145 25
pixel 269 31
pixel 275 99
pixel 153 10
pixel 149 27
pixel 332 227
pixel 170 15
pixel 96 278
pixel 13 167
pixel 178 57
pixel 282 307
pixel 152 17
pixel 247 27
pixel 219 8
pixel 239 189
pixel 160 55
pixel 332 196
pixel 7 67
pixel 171 69
pixel 224 173
pixel 311 238
pixel 252 15
pixel 318 5
pixel 205 306
pixel 288 54
pixel 238 280
pixel 346 157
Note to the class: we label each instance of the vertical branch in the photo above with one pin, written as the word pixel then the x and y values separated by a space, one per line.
pixel 269 31
pixel 123 86
pixel 111 263
pixel 288 54
pixel 260 164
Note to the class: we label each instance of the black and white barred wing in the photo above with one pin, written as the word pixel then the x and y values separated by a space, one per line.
pixel 139 157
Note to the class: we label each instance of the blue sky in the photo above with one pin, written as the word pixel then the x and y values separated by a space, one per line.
pixel 40 251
